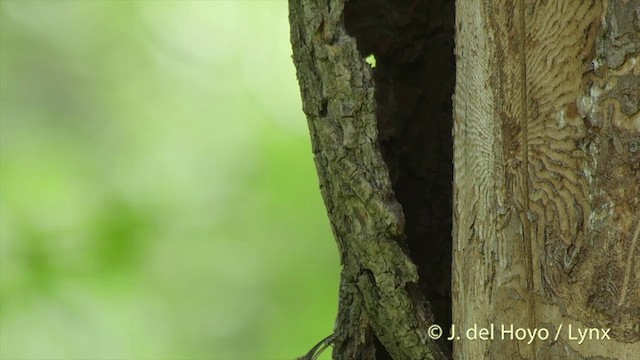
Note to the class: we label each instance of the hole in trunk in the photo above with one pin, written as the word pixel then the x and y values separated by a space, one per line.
pixel 412 44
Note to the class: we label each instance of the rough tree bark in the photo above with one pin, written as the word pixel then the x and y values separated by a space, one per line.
pixel 546 196
pixel 379 293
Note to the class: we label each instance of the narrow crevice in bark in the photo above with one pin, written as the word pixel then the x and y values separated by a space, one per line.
pixel 412 43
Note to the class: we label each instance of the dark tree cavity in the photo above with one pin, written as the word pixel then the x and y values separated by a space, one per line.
pixel 412 42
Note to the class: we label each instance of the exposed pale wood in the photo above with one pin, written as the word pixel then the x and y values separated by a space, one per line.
pixel 491 269
pixel 547 175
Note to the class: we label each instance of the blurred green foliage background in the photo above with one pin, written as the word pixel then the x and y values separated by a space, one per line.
pixel 158 198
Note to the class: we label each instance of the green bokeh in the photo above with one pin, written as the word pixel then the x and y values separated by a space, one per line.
pixel 158 198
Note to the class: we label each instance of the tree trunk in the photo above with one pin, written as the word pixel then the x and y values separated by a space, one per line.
pixel 547 180
pixel 546 194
